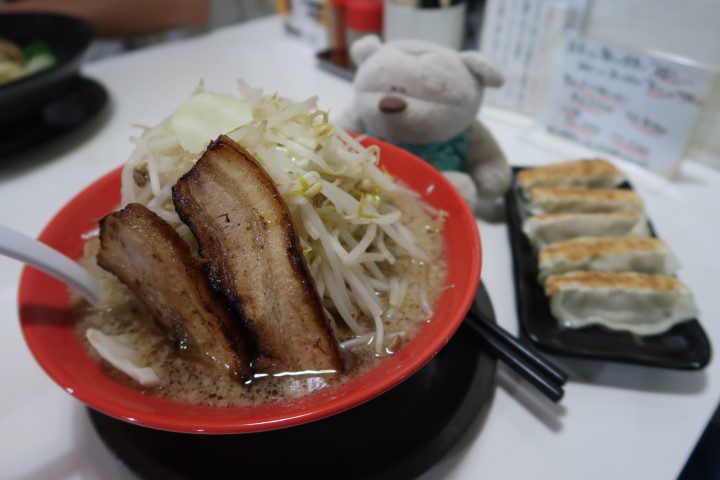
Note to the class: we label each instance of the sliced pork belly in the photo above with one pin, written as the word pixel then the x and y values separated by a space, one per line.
pixel 253 257
pixel 148 256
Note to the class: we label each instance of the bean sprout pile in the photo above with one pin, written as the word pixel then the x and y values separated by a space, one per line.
pixel 343 206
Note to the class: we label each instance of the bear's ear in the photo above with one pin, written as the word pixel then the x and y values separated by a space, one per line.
pixel 362 48
pixel 485 71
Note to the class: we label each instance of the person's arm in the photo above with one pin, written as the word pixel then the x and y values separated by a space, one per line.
pixel 123 18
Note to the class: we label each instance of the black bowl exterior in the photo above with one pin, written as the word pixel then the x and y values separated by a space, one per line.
pixel 68 38
pixel 683 347
pixel 398 435
pixel 79 103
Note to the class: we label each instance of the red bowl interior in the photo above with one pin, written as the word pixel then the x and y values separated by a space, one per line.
pixel 47 321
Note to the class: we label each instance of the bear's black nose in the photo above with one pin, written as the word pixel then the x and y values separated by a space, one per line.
pixel 390 104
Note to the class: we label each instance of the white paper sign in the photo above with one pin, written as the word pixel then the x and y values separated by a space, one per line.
pixel 633 105
pixel 521 37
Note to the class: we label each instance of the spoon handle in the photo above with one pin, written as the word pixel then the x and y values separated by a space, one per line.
pixel 28 250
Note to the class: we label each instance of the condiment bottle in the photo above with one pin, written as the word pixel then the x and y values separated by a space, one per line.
pixel 336 31
pixel 362 17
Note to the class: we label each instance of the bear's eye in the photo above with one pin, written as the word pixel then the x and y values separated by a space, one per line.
pixel 395 88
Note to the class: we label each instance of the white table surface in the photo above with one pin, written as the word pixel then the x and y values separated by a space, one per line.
pixel 616 421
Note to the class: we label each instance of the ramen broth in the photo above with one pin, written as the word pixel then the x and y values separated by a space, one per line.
pixel 120 313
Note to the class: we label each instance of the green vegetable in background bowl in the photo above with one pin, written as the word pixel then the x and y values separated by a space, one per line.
pixel 16 63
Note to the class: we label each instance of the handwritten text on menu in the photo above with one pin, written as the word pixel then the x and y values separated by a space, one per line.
pixel 632 105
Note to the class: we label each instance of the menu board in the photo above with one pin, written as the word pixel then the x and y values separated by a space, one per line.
pixel 633 105
pixel 521 37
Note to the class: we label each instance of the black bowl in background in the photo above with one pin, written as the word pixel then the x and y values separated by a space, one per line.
pixel 68 38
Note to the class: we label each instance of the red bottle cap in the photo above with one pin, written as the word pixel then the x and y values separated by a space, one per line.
pixel 364 15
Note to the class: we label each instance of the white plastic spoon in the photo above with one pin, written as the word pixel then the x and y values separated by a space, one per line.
pixel 28 250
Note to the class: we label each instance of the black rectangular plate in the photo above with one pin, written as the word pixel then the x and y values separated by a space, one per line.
pixel 685 346
pixel 325 61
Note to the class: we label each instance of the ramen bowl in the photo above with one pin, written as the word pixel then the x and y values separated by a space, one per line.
pixel 48 323
pixel 68 38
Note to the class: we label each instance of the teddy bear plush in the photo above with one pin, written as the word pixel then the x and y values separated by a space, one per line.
pixel 425 99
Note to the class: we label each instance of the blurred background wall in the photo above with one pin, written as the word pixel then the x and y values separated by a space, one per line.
pixel 687 28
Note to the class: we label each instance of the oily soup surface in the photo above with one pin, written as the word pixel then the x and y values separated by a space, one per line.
pixel 121 313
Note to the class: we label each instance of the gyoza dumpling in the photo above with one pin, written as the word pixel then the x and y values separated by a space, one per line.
pixel 637 302
pixel 583 200
pixel 607 254
pixel 593 172
pixel 543 230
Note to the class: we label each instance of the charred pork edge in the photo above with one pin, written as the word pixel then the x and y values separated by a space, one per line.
pixel 293 243
pixel 236 340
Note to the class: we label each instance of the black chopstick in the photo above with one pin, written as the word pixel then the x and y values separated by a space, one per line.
pixel 543 364
pixel 545 376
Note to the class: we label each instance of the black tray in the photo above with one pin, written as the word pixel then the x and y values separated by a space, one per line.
pixel 327 60
pixel 685 346
pixel 82 100
pixel 397 435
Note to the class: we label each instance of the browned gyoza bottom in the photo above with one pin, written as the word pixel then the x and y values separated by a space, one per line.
pixel 253 257
pixel 148 256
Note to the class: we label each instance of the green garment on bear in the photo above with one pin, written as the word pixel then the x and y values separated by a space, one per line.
pixel 447 155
